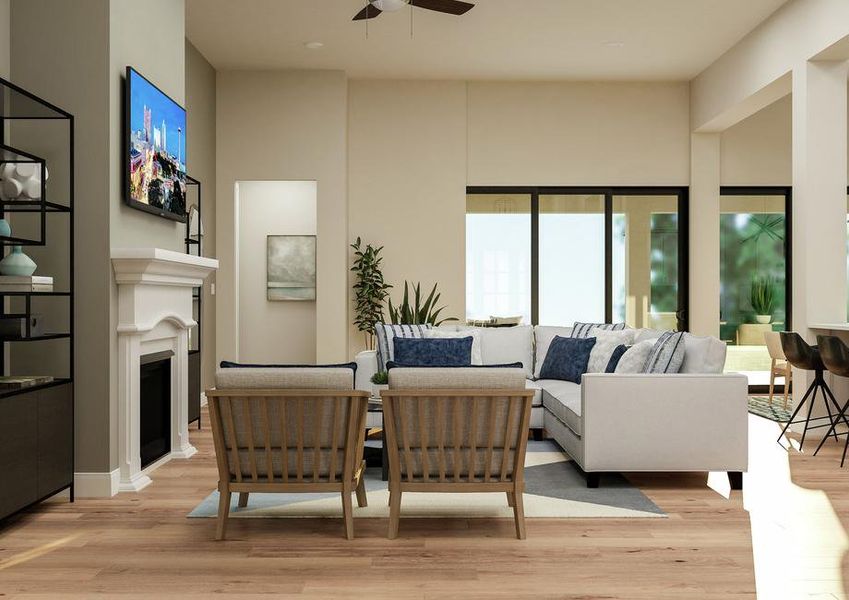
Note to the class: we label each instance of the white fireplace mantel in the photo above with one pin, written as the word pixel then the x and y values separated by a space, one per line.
pixel 155 313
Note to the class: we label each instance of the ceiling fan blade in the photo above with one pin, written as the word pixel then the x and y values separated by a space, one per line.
pixel 451 7
pixel 369 12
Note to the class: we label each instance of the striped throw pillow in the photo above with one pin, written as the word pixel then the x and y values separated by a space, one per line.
pixel 667 355
pixel 386 333
pixel 583 330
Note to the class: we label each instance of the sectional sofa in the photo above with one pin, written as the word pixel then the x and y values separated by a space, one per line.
pixel 695 420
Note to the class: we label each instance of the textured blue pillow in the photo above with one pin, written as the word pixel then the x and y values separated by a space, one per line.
pixel 567 358
pixel 433 352
pixel 618 351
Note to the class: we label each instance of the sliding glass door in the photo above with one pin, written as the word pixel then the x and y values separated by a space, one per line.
pixel 577 254
pixel 754 276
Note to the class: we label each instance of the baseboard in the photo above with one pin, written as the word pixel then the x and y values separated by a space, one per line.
pixel 203 398
pixel 96 485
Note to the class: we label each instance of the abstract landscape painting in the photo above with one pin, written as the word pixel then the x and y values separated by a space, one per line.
pixel 291 267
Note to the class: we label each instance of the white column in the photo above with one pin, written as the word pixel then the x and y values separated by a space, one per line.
pixel 819 194
pixel 704 233
pixel 180 445
pixel 819 204
pixel 129 412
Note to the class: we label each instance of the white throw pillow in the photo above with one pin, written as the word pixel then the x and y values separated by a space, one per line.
pixel 703 354
pixel 472 333
pixel 543 335
pixel 605 343
pixel 635 357
pixel 505 345
pixel 647 334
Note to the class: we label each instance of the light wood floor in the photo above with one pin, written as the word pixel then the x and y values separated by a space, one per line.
pixel 785 537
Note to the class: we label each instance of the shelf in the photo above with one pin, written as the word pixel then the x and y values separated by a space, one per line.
pixel 35 388
pixel 21 104
pixel 2 293
pixel 32 206
pixel 37 338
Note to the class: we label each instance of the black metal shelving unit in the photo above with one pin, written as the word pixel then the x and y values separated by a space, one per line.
pixel 195 246
pixel 37 422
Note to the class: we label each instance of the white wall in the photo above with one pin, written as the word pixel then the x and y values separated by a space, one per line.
pixel 280 332
pixel 758 150
pixel 290 125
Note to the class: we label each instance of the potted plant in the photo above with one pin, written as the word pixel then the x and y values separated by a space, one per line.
pixel 370 290
pixel 763 297
pixel 418 311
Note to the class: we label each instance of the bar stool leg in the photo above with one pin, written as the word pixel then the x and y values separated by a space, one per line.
pixel 833 429
pixel 808 418
pixel 796 411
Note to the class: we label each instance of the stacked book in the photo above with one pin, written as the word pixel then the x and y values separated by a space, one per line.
pixel 20 283
pixel 10 383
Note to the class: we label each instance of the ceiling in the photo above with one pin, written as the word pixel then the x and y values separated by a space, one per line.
pixel 645 40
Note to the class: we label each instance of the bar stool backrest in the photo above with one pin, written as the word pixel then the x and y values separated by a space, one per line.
pixel 835 354
pixel 799 353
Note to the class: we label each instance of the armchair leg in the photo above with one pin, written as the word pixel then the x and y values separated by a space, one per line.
pixel 539 434
pixel 223 513
pixel 243 499
pixel 348 512
pixel 593 480
pixel 519 515
pixel 394 513
pixel 362 500
pixel 735 478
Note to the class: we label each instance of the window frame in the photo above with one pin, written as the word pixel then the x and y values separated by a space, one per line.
pixel 609 192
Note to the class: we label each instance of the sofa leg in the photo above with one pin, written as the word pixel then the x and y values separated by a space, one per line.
pixel 593 479
pixel 735 478
pixel 539 434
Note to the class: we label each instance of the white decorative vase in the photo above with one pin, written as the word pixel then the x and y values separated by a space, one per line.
pixel 763 319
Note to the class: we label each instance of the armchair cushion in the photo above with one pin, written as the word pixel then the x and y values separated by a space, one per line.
pixel 322 378
pixel 453 378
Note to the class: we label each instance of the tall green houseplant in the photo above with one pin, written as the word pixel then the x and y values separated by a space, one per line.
pixel 370 290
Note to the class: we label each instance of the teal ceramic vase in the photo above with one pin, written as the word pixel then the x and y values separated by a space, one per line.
pixel 17 263
pixel 5 230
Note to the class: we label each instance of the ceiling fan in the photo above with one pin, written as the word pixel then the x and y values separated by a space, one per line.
pixel 375 7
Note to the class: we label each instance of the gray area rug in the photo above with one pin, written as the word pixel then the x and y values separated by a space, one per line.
pixel 760 406
pixel 555 488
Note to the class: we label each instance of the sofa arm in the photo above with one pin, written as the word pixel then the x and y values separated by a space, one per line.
pixel 366 368
pixel 682 422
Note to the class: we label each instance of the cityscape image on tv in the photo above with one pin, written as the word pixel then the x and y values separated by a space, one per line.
pixel 157 148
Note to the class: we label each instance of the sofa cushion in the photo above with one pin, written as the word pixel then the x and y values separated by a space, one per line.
pixel 437 332
pixel 385 333
pixel 543 334
pixel 703 355
pixel 501 345
pixel 567 358
pixel 434 352
pixel 582 330
pixel 605 343
pixel 614 358
pixel 667 354
pixel 563 400
pixel 530 384
pixel 464 378
pixel 647 334
pixel 323 378
pixel 635 357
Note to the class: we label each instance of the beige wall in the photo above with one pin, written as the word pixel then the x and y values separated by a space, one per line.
pixel 757 150
pixel 578 134
pixel 285 126
pixel 265 327
pixel 78 82
pixel 5 42
pixel 407 183
pixel 200 148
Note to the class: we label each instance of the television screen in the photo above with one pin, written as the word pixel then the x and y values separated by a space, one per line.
pixel 156 139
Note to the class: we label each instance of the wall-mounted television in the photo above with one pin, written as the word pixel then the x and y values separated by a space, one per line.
pixel 156 149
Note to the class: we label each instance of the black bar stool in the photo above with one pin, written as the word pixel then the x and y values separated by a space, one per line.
pixel 835 357
pixel 803 356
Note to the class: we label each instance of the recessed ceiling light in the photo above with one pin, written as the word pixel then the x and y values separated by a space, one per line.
pixel 313 45
pixel 613 44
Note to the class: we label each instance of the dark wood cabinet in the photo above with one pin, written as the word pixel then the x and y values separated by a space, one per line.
pixel 36 446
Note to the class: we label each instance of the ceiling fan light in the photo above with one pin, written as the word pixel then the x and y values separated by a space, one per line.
pixel 389 5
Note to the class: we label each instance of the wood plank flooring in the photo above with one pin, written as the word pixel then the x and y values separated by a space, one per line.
pixel 783 537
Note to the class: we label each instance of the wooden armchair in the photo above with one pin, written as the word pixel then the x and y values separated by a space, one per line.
pixel 280 440
pixel 469 435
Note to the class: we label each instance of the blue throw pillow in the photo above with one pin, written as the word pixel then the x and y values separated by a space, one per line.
pixel 517 365
pixel 618 351
pixel 567 358
pixel 433 352
pixel 226 364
